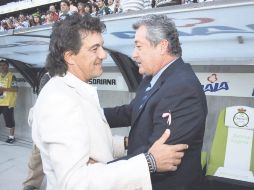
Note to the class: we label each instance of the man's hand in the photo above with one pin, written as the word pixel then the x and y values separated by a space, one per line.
pixel 167 157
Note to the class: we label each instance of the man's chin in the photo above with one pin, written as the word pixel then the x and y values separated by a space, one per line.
pixel 97 74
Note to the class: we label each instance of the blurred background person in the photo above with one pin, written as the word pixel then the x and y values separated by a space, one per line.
pixel 8 94
pixel 111 5
pixel 4 26
pixel 103 9
pixel 117 8
pixel 88 8
pixel 10 23
pixel 52 8
pixel 73 7
pixel 23 22
pixel 135 5
pixel 81 8
pixel 163 3
pixel 64 9
pixel 36 19
pixel 49 18
pixel 95 9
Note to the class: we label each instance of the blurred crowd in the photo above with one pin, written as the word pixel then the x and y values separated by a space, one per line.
pixel 60 10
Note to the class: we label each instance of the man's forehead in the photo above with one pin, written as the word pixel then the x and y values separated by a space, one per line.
pixel 85 34
pixel 91 38
pixel 139 37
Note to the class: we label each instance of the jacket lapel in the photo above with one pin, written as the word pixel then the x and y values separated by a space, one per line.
pixel 171 69
pixel 136 110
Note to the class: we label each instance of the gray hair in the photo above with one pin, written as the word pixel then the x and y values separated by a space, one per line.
pixel 160 27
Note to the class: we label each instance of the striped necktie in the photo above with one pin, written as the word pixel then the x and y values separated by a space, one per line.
pixel 145 96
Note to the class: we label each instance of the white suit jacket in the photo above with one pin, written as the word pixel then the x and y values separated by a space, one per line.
pixel 69 127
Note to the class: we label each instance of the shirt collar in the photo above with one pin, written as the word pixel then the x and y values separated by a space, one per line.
pixel 157 76
pixel 74 81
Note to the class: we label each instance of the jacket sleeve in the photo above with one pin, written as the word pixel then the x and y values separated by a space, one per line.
pixel 119 116
pixel 62 135
pixel 185 106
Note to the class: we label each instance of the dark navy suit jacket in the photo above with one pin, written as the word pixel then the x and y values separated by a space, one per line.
pixel 179 92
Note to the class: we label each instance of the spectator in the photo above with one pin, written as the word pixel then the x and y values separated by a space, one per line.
pixel 15 22
pixel 52 8
pixel 43 18
pixel 73 8
pixel 84 9
pixel 163 3
pixel 30 19
pixel 103 9
pixel 153 3
pixel 65 9
pixel 36 19
pixel 23 22
pixel 111 5
pixel 4 26
pixel 95 9
pixel 49 18
pixel 10 23
pixel 135 5
pixel 88 8
pixel 81 9
pixel 117 8
pixel 8 94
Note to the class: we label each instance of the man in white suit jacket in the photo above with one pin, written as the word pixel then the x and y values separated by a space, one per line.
pixel 69 126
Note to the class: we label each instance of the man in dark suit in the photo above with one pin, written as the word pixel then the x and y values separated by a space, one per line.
pixel 170 96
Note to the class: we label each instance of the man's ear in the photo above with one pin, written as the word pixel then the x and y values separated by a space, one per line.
pixel 164 46
pixel 68 57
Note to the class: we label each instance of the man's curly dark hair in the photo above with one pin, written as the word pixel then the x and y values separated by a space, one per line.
pixel 66 36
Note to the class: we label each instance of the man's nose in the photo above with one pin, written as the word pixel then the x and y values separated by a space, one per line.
pixel 134 54
pixel 102 54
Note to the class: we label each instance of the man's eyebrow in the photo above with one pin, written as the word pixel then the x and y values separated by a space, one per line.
pixel 137 42
pixel 94 46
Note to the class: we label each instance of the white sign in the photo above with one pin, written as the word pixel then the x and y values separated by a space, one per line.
pixel 227 84
pixel 240 117
pixel 110 81
pixel 239 142
pixel 239 120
